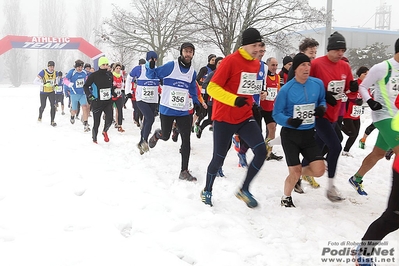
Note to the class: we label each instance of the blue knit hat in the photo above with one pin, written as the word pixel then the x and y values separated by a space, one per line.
pixel 151 54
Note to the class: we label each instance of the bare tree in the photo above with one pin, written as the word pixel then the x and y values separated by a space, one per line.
pixel 159 25
pixel 222 21
pixel 52 25
pixel 123 55
pixel 88 22
pixel 162 25
pixel 15 59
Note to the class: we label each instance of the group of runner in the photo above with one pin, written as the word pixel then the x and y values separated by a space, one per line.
pixel 312 99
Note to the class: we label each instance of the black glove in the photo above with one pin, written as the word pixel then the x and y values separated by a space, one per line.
pixel 294 122
pixel 330 99
pixel 129 95
pixel 319 111
pixel 354 86
pixel 152 63
pixel 374 105
pixel 359 101
pixel 241 101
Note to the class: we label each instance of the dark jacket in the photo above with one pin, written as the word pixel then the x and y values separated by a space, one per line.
pixel 100 85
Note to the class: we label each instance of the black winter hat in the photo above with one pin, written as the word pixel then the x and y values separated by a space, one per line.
pixel 87 65
pixel 185 45
pixel 210 57
pixel 50 63
pixel 336 41
pixel 78 63
pixel 141 61
pixel 218 59
pixel 250 36
pixel 397 46
pixel 287 60
pixel 299 59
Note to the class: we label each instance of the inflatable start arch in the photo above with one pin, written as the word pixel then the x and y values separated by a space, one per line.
pixel 63 43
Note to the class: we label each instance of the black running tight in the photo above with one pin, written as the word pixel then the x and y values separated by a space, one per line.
pixel 43 100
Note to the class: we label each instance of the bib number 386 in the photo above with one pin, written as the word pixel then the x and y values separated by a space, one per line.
pixel 305 112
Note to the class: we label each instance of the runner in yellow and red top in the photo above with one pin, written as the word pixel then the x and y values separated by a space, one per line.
pixel 46 79
pixel 232 88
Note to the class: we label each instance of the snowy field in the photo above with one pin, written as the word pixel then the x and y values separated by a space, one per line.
pixel 67 201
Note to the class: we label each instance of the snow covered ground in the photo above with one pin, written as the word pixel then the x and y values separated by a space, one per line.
pixel 67 201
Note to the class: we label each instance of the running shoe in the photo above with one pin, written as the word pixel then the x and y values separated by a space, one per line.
pixel 298 187
pixel 154 139
pixel 236 142
pixel 287 202
pixel 242 160
pixel 358 186
pixel 175 134
pixel 206 197
pixel 347 154
pixel 105 134
pixel 333 195
pixel 311 181
pixel 273 156
pixel 185 175
pixel 247 198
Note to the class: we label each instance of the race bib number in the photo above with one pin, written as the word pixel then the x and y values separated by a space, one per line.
pixel 79 83
pixel 271 94
pixel 357 110
pixel 148 93
pixel 118 92
pixel 105 94
pixel 58 88
pixel 336 86
pixel 393 85
pixel 177 99
pixel 305 112
pixel 248 84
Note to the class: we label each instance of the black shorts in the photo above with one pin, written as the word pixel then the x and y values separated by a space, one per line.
pixel 297 142
pixel 59 98
pixel 268 116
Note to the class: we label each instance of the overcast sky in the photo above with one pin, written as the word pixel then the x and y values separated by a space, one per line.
pixel 353 13
pixel 358 13
pixel 347 13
